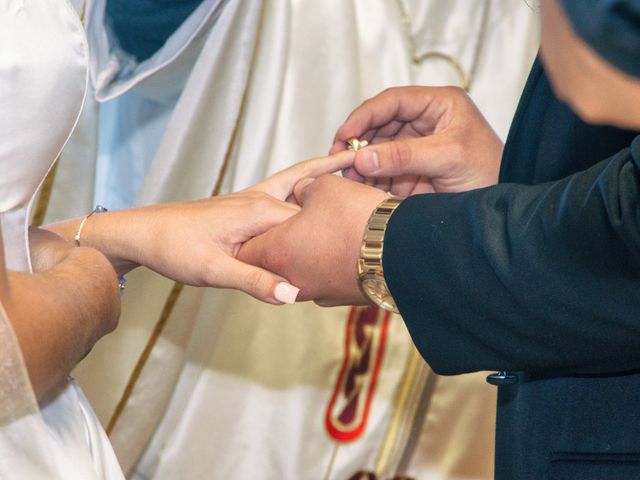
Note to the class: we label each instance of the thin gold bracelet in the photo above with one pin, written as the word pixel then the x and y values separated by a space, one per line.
pixel 98 209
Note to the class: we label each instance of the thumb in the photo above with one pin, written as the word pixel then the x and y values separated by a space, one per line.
pixel 257 282
pixel 400 157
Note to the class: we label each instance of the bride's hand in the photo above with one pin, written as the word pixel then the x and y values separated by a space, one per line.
pixel 196 242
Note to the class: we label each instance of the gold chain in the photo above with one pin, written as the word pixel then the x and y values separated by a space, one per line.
pixel 417 58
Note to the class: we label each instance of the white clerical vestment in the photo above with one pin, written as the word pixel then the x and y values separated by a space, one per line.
pixel 200 383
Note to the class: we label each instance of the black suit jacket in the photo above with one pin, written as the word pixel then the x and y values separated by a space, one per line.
pixel 539 274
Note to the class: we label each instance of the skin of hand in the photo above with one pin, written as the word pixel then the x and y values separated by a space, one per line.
pixel 318 248
pixel 422 140
pixel 196 242
pixel 58 314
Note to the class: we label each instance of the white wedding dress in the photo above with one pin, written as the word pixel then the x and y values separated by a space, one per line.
pixel 43 83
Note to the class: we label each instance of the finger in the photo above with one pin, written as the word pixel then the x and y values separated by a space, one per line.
pixel 383 183
pixel 351 174
pixel 391 131
pixel 424 185
pixel 372 136
pixel 372 114
pixel 281 184
pixel 400 104
pixel 257 282
pixel 426 156
pixel 403 185
pixel 340 145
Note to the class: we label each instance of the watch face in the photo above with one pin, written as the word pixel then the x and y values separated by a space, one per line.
pixel 377 290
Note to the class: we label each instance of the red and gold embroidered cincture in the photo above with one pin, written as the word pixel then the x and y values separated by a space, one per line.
pixel 372 476
pixel 365 341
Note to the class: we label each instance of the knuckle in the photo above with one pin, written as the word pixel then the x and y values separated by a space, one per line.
pixel 256 281
pixel 393 91
pixel 258 195
pixel 259 199
pixel 389 91
pixel 401 154
pixel 455 91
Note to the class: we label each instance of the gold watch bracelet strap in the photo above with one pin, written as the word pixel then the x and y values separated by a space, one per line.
pixel 370 262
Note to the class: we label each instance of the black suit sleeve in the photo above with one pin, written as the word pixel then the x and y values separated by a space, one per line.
pixel 542 278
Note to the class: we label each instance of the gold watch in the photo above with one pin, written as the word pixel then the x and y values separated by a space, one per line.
pixel 370 272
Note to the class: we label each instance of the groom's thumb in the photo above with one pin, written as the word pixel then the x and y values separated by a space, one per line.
pixel 390 159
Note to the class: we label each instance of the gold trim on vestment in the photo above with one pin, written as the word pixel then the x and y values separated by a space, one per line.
pixel 146 353
pixel 44 197
pixel 422 403
pixel 391 435
pixel 332 461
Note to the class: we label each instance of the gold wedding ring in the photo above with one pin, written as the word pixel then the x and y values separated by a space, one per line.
pixel 354 144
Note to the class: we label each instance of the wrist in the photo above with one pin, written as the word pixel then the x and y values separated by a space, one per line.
pixel 112 234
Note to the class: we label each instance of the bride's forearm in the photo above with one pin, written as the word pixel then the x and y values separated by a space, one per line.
pixel 58 315
pixel 119 235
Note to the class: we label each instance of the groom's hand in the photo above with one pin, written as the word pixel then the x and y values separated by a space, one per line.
pixel 422 140
pixel 317 249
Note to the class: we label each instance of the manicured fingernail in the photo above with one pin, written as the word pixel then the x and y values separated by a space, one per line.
pixel 286 293
pixel 370 161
